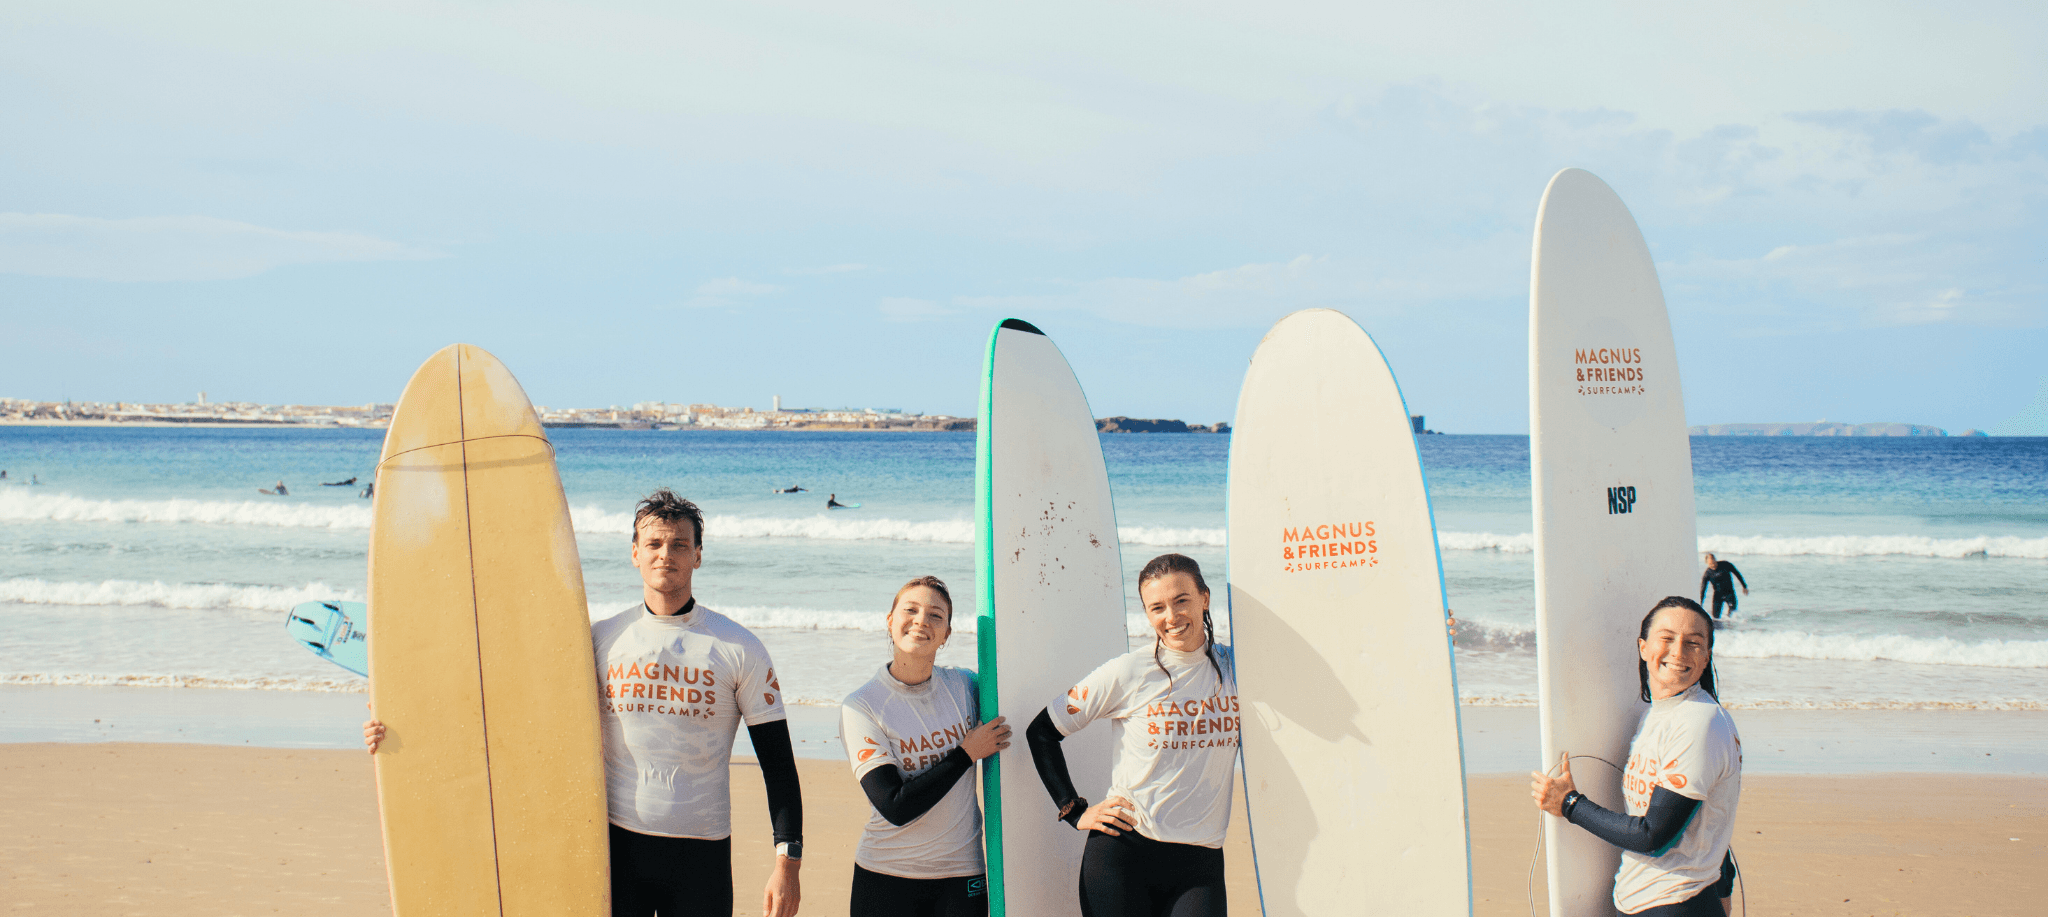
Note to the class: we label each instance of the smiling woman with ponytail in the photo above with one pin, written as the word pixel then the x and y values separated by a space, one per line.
pixel 1155 841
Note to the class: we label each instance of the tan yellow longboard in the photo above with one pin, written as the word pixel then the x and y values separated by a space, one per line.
pixel 491 776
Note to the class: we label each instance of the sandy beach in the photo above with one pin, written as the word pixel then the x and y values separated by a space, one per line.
pixel 171 829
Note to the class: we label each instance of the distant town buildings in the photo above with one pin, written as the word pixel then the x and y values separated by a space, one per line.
pixel 647 415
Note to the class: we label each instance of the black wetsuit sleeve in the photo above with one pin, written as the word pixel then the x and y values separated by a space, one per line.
pixel 904 801
pixel 1653 832
pixel 1051 762
pixel 1706 580
pixel 778 771
pixel 1738 575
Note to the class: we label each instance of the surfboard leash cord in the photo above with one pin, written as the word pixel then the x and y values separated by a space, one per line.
pixel 1537 856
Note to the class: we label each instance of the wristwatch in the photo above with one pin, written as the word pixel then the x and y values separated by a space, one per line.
pixel 792 849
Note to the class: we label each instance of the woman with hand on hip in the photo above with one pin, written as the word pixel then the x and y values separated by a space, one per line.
pixel 912 737
pixel 1682 783
pixel 1155 841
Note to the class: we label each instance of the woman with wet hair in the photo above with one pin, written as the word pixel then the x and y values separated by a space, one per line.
pixel 913 734
pixel 1155 841
pixel 1682 782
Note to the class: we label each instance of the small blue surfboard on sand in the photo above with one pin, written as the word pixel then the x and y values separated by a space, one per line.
pixel 334 631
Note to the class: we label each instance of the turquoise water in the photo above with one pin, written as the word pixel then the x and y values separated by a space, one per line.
pixel 1884 572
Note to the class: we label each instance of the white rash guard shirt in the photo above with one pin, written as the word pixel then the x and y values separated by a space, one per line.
pixel 886 722
pixel 1688 745
pixel 1173 742
pixel 674 690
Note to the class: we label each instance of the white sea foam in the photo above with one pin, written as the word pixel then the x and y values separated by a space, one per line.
pixel 17 506
pixel 1486 541
pixel 22 505
pixel 170 595
pixel 34 507
pixel 2004 654
pixel 1877 546
pixel 1783 546
pixel 330 685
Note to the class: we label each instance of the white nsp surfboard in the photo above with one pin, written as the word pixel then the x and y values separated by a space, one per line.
pixel 1611 471
pixel 1052 605
pixel 1354 772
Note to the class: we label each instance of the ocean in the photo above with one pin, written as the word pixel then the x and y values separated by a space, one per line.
pixel 1884 573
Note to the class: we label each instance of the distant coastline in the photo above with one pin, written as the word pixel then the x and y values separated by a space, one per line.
pixel 1823 428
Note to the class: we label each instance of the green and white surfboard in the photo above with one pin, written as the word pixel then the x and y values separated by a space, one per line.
pixel 1052 604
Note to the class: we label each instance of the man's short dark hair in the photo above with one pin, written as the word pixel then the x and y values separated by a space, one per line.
pixel 663 505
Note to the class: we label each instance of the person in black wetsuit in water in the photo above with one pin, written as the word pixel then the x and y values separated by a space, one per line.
pixel 1718 576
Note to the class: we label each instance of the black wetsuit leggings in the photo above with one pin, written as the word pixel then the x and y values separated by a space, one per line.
pixel 879 895
pixel 1705 904
pixel 670 876
pixel 1724 597
pixel 1131 875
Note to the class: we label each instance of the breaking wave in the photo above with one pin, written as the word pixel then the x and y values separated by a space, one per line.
pixel 170 595
pixel 326 685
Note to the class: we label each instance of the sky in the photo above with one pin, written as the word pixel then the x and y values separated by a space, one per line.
pixel 835 203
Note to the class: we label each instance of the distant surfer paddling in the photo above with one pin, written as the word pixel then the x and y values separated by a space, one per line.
pixel 1718 576
pixel 791 489
pixel 832 502
pixel 913 737
pixel 1155 841
pixel 348 483
pixel 676 680
pixel 1683 780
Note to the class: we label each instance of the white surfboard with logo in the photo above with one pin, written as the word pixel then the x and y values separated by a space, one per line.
pixel 1052 605
pixel 1354 774
pixel 1611 470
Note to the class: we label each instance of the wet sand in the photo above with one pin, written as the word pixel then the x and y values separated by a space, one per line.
pixel 171 829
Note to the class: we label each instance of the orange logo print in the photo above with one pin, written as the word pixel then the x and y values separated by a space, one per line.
pixel 772 682
pixel 1071 710
pixel 866 753
pixel 767 698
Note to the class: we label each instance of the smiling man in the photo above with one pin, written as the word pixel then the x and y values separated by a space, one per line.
pixel 677 680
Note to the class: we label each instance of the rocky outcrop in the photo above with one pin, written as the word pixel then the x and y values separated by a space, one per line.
pixel 1820 428
pixel 1139 425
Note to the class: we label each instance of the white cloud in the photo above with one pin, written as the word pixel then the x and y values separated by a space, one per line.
pixel 733 286
pixel 726 292
pixel 175 248
pixel 1254 295
pixel 904 309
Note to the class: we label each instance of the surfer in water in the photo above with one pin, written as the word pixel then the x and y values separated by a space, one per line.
pixel 832 502
pixel 348 483
pixel 1155 841
pixel 1717 576
pixel 912 736
pixel 791 489
pixel 704 674
pixel 1683 780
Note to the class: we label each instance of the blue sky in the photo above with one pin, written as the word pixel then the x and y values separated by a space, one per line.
pixel 1848 202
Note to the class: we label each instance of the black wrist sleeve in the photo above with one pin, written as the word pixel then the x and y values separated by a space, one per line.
pixel 1051 762
pixel 1654 832
pixel 778 771
pixel 904 801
